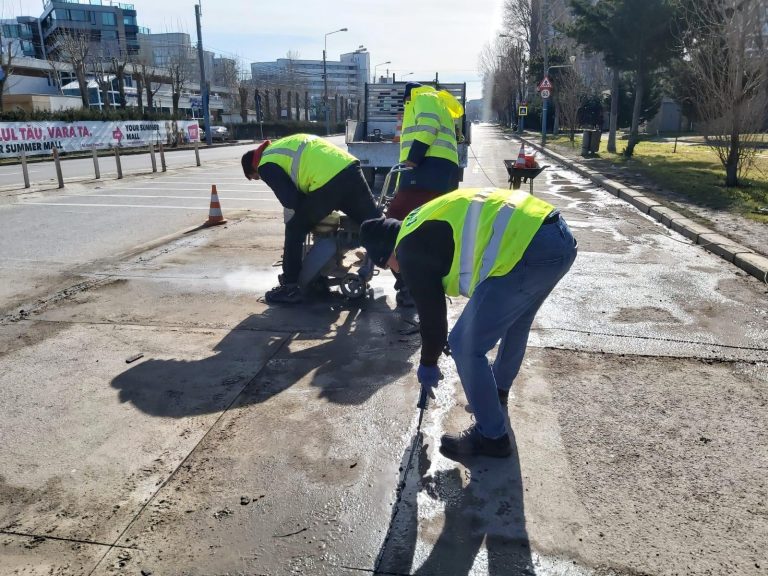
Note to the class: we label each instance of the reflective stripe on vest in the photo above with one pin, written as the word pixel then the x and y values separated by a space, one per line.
pixel 294 155
pixel 491 227
pixel 309 161
pixel 434 128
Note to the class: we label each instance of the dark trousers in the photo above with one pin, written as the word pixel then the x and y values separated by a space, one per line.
pixel 348 192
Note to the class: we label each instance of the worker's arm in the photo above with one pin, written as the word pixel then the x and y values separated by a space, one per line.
pixel 281 184
pixel 425 257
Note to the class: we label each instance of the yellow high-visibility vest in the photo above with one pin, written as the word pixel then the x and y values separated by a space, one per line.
pixel 429 118
pixel 492 228
pixel 309 160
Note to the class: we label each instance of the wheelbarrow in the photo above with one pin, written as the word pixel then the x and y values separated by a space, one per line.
pixel 519 176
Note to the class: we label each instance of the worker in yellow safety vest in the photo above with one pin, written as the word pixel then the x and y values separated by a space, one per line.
pixel 310 177
pixel 503 249
pixel 428 145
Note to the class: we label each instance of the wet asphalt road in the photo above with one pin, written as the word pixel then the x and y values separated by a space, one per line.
pixel 258 440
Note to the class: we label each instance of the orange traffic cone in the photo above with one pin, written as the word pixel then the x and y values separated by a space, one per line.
pixel 398 128
pixel 215 217
pixel 520 162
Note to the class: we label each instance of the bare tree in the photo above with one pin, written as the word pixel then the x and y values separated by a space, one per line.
pixel 522 18
pixel 503 67
pixel 149 79
pixel 243 96
pixel 57 68
pixel 74 48
pixel 569 98
pixel 118 60
pixel 179 74
pixel 99 65
pixel 725 53
pixel 6 65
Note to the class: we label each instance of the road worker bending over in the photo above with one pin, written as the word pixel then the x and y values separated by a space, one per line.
pixel 313 178
pixel 503 249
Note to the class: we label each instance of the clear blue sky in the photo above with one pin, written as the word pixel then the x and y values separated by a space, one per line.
pixel 419 36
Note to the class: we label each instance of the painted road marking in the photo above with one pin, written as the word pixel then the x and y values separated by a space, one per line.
pixel 178 197
pixel 165 188
pixel 153 206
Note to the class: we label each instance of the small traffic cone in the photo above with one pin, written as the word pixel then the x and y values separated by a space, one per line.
pixel 520 162
pixel 398 128
pixel 215 217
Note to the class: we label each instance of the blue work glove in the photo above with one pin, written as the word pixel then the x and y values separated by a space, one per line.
pixel 429 377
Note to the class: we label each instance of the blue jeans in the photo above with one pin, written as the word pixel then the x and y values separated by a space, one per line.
pixel 502 309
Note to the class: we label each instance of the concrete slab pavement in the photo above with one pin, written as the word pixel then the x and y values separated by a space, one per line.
pixel 302 420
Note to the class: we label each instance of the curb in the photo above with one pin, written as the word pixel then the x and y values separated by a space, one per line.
pixel 727 249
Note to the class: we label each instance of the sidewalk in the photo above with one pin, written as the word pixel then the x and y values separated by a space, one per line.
pixel 738 240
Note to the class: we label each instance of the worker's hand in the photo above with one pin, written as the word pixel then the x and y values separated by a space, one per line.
pixel 429 377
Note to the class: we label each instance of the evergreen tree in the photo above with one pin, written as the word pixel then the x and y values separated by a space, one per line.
pixel 633 35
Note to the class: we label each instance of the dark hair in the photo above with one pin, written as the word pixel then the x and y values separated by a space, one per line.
pixel 247 162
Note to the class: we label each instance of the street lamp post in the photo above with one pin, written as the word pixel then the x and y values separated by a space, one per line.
pixel 325 82
pixel 376 66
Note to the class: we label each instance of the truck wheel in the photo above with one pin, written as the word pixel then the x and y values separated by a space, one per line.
pixel 370 176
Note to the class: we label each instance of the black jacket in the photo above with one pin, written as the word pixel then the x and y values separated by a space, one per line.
pixel 425 256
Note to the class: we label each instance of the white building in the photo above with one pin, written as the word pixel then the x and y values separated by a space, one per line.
pixel 346 76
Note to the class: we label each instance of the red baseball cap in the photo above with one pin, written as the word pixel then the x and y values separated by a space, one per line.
pixel 257 154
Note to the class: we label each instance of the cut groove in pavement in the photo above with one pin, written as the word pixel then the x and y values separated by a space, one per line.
pixel 73 540
pixel 654 338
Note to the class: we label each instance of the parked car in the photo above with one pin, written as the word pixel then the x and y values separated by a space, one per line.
pixel 217 133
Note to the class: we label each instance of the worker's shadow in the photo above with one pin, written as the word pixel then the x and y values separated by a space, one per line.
pixel 483 504
pixel 345 350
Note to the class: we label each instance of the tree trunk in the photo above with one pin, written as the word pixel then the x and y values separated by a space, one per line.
pixel 732 163
pixel 139 94
pixel 267 113
pixel 243 94
pixel 306 106
pixel 289 106
pixel 279 104
pixel 83 85
pixel 297 103
pixel 2 94
pixel 121 89
pixel 148 87
pixel 633 134
pixel 614 116
pixel 175 97
pixel 104 86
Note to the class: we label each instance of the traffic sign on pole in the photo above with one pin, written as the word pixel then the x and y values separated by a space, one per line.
pixel 522 110
pixel 545 93
pixel 545 84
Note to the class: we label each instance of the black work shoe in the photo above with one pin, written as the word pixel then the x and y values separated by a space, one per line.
pixel 503 396
pixel 404 298
pixel 471 443
pixel 284 294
